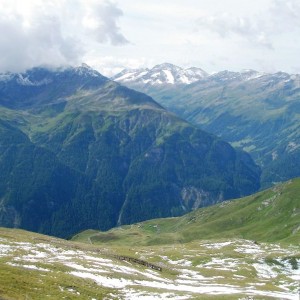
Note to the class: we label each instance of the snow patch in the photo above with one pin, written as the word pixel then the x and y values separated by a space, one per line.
pixel 264 271
pixel 225 264
pixel 249 249
pixel 134 295
pixel 209 289
pixel 4 250
pixel 218 245
pixel 133 280
pixel 104 281
pixel 32 267
pixel 170 78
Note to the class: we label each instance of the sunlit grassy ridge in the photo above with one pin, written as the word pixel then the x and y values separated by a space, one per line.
pixel 272 216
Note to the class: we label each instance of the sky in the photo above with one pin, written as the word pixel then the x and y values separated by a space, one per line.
pixel 110 35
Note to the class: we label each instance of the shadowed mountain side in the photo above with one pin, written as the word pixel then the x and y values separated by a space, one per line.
pixel 256 112
pixel 111 156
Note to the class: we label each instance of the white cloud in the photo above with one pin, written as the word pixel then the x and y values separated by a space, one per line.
pixel 254 30
pixel 286 14
pixel 111 65
pixel 101 21
pixel 261 29
pixel 53 32
pixel 257 34
pixel 288 7
pixel 211 34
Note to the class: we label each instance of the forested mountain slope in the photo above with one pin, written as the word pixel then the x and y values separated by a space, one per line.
pixel 79 151
pixel 256 112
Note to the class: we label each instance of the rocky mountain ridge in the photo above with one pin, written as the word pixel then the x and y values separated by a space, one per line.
pixel 160 74
pixel 256 112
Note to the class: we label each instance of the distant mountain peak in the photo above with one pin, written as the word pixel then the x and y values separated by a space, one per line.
pixel 86 70
pixel 243 75
pixel 166 65
pixel 42 86
pixel 42 75
pixel 165 73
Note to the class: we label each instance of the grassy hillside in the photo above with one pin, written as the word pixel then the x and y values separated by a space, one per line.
pixel 34 266
pixel 272 215
pixel 245 248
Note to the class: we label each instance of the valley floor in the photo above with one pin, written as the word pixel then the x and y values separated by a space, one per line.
pixel 38 267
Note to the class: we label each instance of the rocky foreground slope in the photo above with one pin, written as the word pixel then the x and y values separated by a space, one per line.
pixel 39 267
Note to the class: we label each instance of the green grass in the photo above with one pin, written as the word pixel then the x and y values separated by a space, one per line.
pixel 18 283
pixel 222 265
pixel 269 216
pixel 50 286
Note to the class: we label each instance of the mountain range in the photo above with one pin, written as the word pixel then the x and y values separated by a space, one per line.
pixel 81 151
pixel 160 75
pixel 256 112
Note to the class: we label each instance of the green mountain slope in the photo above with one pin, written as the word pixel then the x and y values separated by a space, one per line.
pixel 80 151
pixel 258 113
pixel 272 215
pixel 34 266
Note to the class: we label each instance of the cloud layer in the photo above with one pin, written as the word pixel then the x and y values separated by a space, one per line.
pixel 54 32
pixel 261 29
pixel 254 30
pixel 211 34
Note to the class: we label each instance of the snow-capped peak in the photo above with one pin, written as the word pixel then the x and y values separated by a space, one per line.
pixel 6 76
pixel 86 70
pixel 165 73
pixel 244 75
pixel 39 76
pixel 249 74
pixel 130 75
